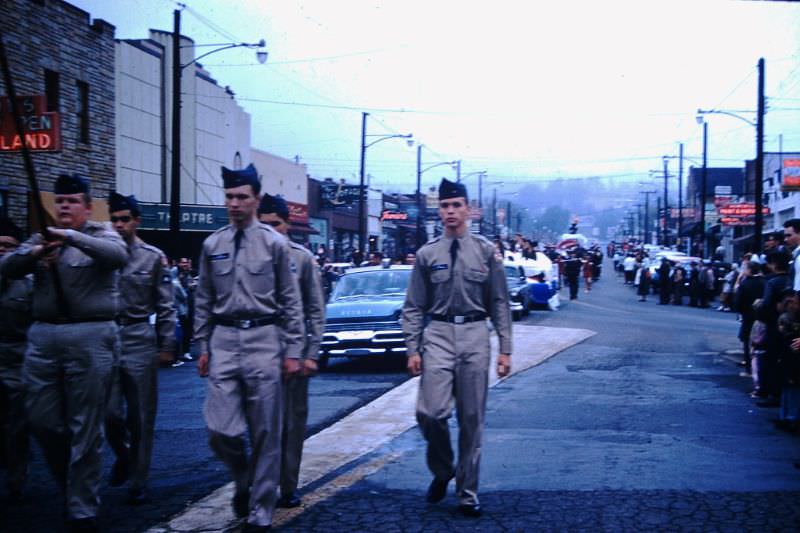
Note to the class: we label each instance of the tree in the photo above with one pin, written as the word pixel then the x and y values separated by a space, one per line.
pixel 555 218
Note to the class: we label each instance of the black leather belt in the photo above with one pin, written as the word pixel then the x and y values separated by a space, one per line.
pixel 245 323
pixel 62 320
pixel 126 321
pixel 459 319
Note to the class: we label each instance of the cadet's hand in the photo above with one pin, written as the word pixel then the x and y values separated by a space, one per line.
pixel 56 234
pixel 290 367
pixel 48 252
pixel 202 365
pixel 414 364
pixel 166 358
pixel 503 365
pixel 310 367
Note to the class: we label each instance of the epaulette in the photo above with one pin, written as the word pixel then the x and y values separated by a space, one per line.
pixel 297 246
pixel 431 242
pixel 220 230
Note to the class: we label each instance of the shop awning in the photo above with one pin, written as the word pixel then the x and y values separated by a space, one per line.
pixel 302 227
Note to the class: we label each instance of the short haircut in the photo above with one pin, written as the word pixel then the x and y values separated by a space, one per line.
pixel 793 223
pixel 779 258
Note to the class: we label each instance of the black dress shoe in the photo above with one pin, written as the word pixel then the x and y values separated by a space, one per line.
pixel 137 497
pixel 253 528
pixel 471 510
pixel 83 525
pixel 119 472
pixel 437 490
pixel 241 504
pixel 289 501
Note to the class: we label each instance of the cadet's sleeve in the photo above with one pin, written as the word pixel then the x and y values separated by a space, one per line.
pixel 20 262
pixel 499 309
pixel 107 248
pixel 414 308
pixel 203 302
pixel 287 292
pixel 166 315
pixel 314 304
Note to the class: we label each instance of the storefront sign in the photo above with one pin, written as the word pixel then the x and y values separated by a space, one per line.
pixel 688 213
pixel 741 210
pixel 393 215
pixel 791 175
pixel 42 128
pixel 338 195
pixel 193 217
pixel 298 213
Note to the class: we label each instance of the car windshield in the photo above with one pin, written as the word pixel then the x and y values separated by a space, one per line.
pixel 372 283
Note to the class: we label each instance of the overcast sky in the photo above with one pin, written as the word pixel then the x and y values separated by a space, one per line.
pixel 526 90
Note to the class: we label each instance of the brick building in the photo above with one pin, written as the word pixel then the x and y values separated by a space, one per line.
pixel 61 56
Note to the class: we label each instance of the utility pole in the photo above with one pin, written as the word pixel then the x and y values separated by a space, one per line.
pixel 759 189
pixel 362 218
pixel 704 184
pixel 419 196
pixel 175 171
pixel 494 211
pixel 680 197
pixel 647 215
pixel 665 240
pixel 660 235
pixel 480 202
pixel 458 170
pixel 509 220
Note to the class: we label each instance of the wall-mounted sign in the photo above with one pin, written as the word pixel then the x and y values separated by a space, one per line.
pixel 42 127
pixel 393 215
pixel 338 195
pixel 298 213
pixel 193 217
pixel 688 213
pixel 791 175
pixel 741 210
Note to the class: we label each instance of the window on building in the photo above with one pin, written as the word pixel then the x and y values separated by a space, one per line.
pixel 52 89
pixel 82 111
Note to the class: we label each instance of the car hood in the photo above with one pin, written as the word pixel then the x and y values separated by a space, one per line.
pixel 364 308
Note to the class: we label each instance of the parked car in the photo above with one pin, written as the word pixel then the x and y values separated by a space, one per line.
pixel 518 295
pixel 363 314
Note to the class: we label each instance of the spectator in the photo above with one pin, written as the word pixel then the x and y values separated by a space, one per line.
pixel 768 313
pixel 726 297
pixel 750 289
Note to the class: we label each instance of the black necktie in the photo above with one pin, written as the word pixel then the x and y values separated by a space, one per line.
pixel 453 253
pixel 237 241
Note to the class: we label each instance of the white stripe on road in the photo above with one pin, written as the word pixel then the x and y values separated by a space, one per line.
pixel 367 429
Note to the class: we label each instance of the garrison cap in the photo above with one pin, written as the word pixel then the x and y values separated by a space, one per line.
pixel 450 189
pixel 9 229
pixel 71 184
pixel 274 204
pixel 237 178
pixel 118 202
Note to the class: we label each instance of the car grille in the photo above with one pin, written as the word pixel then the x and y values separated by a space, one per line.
pixel 358 326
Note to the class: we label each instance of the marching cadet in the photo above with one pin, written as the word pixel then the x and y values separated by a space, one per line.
pixel 145 287
pixel 72 343
pixel 457 282
pixel 247 302
pixel 15 319
pixel 274 211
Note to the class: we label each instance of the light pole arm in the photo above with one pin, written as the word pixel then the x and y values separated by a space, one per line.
pixel 385 137
pixel 723 112
pixel 259 44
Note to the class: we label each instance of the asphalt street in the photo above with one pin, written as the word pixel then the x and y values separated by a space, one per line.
pixel 183 468
pixel 645 426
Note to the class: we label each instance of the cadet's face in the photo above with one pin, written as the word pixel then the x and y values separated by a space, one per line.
pixel 7 244
pixel 124 223
pixel 411 259
pixel 453 212
pixel 241 203
pixel 72 211
pixel 275 221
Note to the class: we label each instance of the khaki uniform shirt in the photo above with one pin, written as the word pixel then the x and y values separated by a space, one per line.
pixel 15 308
pixel 475 284
pixel 145 285
pixel 88 266
pixel 305 268
pixel 253 283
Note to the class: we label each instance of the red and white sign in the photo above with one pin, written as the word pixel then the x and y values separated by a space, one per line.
pixel 298 213
pixel 394 215
pixel 741 210
pixel 42 128
pixel 791 174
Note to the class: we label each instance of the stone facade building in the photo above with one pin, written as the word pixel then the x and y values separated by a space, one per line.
pixel 59 55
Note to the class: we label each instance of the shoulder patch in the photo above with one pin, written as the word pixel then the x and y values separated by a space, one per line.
pixel 219 257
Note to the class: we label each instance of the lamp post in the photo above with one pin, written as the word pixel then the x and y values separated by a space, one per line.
pixel 420 171
pixel 362 192
pixel 758 124
pixel 177 69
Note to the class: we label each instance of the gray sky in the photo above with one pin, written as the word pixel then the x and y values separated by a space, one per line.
pixel 526 90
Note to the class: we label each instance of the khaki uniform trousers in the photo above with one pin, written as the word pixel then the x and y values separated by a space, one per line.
pixel 131 416
pixel 455 367
pixel 16 435
pixel 67 374
pixel 295 416
pixel 244 396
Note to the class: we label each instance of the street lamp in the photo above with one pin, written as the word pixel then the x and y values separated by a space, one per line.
pixel 758 124
pixel 177 69
pixel 362 193
pixel 420 171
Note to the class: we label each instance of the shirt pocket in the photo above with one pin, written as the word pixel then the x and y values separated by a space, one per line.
pixel 440 276
pixel 222 277
pixel 476 276
pixel 259 277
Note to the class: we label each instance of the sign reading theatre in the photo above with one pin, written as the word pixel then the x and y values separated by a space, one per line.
pixel 42 127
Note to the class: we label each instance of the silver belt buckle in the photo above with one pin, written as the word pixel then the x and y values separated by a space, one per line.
pixel 245 324
pixel 459 319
